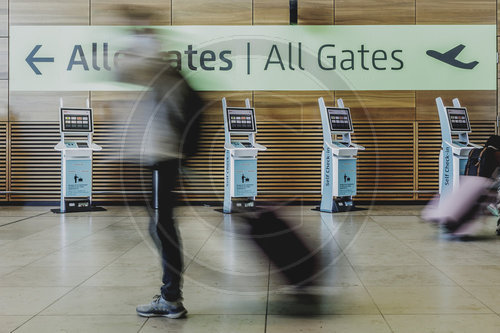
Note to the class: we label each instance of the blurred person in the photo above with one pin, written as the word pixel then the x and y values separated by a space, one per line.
pixel 163 133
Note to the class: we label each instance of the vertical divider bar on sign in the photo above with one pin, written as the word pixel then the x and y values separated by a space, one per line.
pixel 293 12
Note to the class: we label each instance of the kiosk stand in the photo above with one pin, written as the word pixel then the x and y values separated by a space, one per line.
pixel 76 159
pixel 454 153
pixel 240 159
pixel 338 159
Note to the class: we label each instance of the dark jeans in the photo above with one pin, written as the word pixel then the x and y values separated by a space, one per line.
pixel 166 231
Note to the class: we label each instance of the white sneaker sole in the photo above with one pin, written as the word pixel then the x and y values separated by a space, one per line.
pixel 176 315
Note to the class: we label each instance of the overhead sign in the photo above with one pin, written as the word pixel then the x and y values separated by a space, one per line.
pixel 405 57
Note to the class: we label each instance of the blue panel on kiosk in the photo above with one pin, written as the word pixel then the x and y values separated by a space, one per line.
pixel 463 163
pixel 245 178
pixel 79 178
pixel 347 177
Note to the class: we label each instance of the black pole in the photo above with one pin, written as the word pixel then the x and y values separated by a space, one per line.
pixel 293 11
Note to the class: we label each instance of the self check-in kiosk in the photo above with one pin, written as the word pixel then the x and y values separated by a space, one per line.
pixel 454 152
pixel 76 158
pixel 338 159
pixel 240 160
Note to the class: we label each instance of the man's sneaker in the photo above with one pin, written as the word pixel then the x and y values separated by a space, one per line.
pixel 159 307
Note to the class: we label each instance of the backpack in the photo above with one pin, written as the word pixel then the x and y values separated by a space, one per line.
pixel 482 162
pixel 472 166
pixel 493 141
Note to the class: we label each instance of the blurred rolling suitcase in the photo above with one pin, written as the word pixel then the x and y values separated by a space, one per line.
pixel 286 250
pixel 459 210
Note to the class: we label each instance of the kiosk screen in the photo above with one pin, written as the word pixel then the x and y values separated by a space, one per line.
pixel 76 120
pixel 459 122
pixel 241 120
pixel 340 120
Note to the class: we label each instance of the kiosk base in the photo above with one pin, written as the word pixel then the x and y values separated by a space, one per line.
pixel 239 206
pixel 87 209
pixel 341 205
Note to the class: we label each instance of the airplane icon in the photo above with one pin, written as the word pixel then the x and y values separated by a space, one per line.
pixel 450 56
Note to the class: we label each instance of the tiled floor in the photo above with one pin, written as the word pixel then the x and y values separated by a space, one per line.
pixel 384 270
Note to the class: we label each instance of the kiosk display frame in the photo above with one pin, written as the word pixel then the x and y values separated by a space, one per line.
pixel 67 118
pixel 347 119
pixel 241 112
pixel 454 120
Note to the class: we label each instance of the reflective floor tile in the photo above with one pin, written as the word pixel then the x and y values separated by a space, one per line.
pixel 83 324
pixel 72 258
pixel 328 324
pixel 236 262
pixel 462 323
pixel 57 276
pixel 198 274
pixel 426 300
pixel 28 300
pixel 322 301
pixel 8 269
pixel 101 301
pixel 207 300
pixel 397 257
pixel 207 323
pixel 10 323
pixel 489 295
pixel 447 257
pixel 115 276
pixel 482 275
pixel 393 276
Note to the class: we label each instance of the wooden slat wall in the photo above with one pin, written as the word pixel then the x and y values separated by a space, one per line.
pixel 35 165
pixel 399 128
pixel 291 167
pixel 36 169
